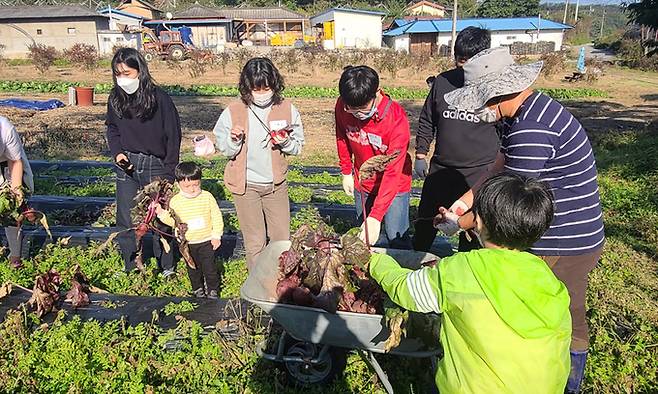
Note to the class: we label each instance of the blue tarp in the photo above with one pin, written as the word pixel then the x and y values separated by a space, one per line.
pixel 29 104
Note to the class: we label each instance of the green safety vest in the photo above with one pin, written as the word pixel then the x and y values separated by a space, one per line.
pixel 505 322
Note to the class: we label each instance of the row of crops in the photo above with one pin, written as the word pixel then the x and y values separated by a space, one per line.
pixel 399 93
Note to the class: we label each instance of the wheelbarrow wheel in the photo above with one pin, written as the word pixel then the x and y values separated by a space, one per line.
pixel 322 373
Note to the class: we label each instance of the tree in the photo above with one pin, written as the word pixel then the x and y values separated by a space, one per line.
pixel 645 14
pixel 508 9
pixel 467 8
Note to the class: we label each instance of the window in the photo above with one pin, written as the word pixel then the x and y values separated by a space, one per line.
pixel 107 39
pixel 71 31
pixel 511 37
pixel 39 32
pixel 119 39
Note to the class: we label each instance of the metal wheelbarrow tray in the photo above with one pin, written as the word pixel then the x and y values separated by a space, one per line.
pixel 363 332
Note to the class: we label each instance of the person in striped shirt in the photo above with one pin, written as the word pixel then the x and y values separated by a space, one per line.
pixel 542 139
pixel 198 209
pixel 505 322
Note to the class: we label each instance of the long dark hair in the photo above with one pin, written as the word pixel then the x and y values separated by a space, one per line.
pixel 257 73
pixel 143 103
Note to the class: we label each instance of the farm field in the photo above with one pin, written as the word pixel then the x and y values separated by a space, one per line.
pixel 67 354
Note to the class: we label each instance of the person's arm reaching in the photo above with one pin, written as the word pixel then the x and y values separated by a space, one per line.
pixel 344 153
pixel 417 291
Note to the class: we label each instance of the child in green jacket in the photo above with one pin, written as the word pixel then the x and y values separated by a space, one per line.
pixel 506 326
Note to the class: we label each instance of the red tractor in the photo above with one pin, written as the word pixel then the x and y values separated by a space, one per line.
pixel 168 46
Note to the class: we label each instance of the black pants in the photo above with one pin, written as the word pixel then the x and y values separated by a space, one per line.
pixel 147 169
pixel 204 257
pixel 442 187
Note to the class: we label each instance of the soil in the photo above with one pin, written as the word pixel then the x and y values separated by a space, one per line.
pixel 78 132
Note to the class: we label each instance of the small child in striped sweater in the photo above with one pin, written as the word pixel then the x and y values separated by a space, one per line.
pixel 199 210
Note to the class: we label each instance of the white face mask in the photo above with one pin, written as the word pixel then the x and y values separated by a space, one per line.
pixel 263 99
pixel 129 85
pixel 488 115
pixel 190 195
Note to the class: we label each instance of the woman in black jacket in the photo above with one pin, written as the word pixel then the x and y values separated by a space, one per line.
pixel 144 136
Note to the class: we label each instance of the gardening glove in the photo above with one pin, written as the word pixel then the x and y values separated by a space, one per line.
pixel 374 227
pixel 420 168
pixel 348 184
pixel 447 222
pixel 458 207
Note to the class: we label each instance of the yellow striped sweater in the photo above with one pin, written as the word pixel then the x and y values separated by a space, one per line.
pixel 201 214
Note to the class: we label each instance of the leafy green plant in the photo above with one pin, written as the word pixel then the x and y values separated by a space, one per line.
pixel 174 308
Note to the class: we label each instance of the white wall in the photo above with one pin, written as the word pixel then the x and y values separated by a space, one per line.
pixel 122 20
pixel 499 38
pixel 354 30
pixel 107 40
pixel 399 43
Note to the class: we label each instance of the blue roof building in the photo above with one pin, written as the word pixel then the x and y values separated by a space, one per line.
pixel 416 36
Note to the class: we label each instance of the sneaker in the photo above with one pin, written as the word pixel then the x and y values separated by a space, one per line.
pixel 15 262
pixel 168 273
pixel 213 295
pixel 199 293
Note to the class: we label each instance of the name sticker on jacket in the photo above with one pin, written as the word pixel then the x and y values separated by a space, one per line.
pixel 196 224
pixel 376 141
pixel 278 125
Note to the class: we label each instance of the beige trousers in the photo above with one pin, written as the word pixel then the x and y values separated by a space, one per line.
pixel 264 215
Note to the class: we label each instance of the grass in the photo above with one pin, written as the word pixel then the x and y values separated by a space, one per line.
pixel 622 302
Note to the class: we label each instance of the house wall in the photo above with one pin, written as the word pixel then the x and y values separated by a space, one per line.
pixel 424 9
pixel 354 30
pixel 118 19
pixel 60 33
pixel 507 37
pixel 136 8
pixel 108 39
pixel 399 43
pixel 209 37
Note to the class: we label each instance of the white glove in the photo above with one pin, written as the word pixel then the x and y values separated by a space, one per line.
pixel 348 184
pixel 458 207
pixel 448 223
pixel 374 227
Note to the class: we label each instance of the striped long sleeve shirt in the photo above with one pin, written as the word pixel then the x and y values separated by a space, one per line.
pixel 201 214
pixel 547 142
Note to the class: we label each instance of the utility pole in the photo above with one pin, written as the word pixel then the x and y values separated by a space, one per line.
pixel 566 9
pixel 454 28
pixel 602 22
pixel 575 19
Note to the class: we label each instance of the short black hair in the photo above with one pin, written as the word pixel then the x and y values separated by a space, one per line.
pixel 358 85
pixel 187 171
pixel 259 72
pixel 471 41
pixel 515 210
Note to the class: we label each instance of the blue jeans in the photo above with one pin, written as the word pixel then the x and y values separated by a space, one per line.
pixel 147 169
pixel 395 223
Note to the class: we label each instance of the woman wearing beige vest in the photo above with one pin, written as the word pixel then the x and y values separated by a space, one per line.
pixel 256 133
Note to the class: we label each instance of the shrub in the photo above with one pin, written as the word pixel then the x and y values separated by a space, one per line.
pixel 290 60
pixel 82 54
pixel 632 55
pixel 199 61
pixel 42 56
pixel 241 57
pixel 222 60
pixel 554 63
pixel 331 61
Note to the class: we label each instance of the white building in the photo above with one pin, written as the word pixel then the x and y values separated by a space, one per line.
pixel 349 28
pixel 430 36
pixel 123 30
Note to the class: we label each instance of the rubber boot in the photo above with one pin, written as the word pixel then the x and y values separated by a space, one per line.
pixel 578 361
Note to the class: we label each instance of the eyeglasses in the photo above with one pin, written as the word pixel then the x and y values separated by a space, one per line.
pixel 363 110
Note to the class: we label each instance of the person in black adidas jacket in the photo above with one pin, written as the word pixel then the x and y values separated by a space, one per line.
pixel 464 145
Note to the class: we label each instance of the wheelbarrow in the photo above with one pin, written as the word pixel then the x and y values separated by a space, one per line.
pixel 314 342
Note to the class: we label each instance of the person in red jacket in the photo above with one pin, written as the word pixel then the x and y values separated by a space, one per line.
pixel 369 123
